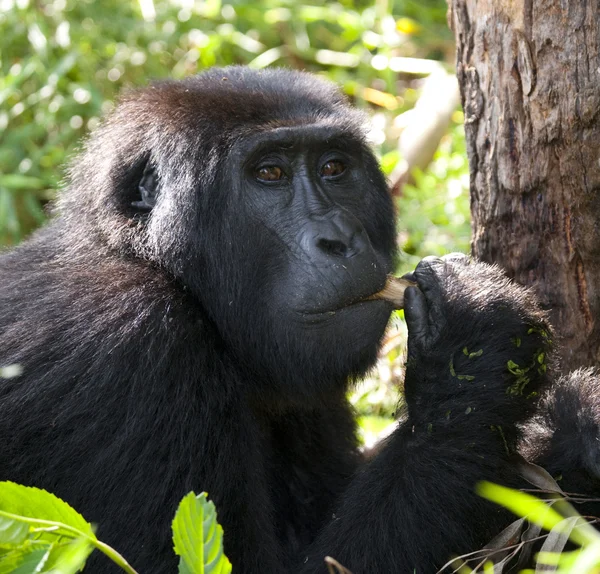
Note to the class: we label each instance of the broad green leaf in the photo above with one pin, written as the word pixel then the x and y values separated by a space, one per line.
pixel 30 502
pixel 26 559
pixel 198 537
pixel 32 523
pixel 13 531
pixel 51 523
pixel 70 558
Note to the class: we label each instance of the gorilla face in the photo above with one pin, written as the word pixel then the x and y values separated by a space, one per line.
pixel 306 188
pixel 257 192
pixel 307 200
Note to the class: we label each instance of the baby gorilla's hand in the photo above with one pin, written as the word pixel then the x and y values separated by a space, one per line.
pixel 477 344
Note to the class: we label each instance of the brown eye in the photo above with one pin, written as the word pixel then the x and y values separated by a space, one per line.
pixel 269 173
pixel 332 168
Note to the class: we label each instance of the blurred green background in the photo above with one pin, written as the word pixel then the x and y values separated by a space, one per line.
pixel 63 63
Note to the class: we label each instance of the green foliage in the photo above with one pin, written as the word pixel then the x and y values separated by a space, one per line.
pixel 40 533
pixel 63 62
pixel 371 428
pixel 198 537
pixel 522 504
pixel 562 522
pixel 434 212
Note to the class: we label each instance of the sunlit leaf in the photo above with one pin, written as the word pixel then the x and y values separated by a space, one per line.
pixel 27 559
pixel 30 502
pixel 198 537
pixel 535 510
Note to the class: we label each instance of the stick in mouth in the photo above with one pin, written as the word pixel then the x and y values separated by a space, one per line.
pixel 394 291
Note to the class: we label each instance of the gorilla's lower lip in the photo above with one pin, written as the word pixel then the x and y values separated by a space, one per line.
pixel 371 299
pixel 315 313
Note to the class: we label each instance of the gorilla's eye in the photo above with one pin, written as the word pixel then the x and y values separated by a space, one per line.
pixel 332 168
pixel 269 173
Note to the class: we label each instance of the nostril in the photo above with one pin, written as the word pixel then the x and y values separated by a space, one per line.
pixel 333 247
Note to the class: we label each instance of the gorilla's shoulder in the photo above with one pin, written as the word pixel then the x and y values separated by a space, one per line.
pixel 49 276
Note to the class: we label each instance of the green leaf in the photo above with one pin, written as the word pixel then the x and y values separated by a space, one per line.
pixel 69 558
pixel 198 537
pixel 521 504
pixel 32 523
pixel 537 511
pixel 13 531
pixel 51 523
pixel 26 559
pixel 35 503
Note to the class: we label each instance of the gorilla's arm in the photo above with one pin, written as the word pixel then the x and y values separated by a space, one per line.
pixel 477 357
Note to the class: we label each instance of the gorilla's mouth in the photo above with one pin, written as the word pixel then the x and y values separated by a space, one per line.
pixel 392 292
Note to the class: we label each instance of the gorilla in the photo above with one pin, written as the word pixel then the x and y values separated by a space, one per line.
pixel 191 319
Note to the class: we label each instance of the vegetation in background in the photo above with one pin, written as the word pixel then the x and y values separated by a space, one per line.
pixel 562 523
pixel 434 211
pixel 63 63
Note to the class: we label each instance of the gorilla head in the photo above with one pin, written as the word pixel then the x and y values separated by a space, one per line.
pixel 256 191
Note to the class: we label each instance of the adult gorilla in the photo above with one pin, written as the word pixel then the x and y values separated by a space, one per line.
pixel 192 315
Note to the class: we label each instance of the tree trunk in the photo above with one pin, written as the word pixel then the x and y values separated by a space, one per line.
pixel 529 72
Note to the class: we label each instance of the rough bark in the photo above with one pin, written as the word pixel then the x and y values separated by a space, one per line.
pixel 529 72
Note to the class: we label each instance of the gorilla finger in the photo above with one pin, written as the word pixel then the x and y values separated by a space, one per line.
pixel 416 313
pixel 428 274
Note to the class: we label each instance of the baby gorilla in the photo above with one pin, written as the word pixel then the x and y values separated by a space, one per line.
pixel 193 314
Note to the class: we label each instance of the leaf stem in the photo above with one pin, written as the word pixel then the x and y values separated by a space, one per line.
pixel 74 533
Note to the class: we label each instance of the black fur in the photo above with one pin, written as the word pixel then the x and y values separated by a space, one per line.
pixel 183 325
pixel 564 434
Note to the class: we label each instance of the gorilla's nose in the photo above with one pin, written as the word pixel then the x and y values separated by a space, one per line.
pixel 339 237
pixel 344 247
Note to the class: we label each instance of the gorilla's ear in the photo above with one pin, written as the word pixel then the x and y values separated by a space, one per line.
pixel 148 188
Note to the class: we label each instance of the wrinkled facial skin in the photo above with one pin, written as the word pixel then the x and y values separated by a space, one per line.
pixel 308 189
pixel 313 232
